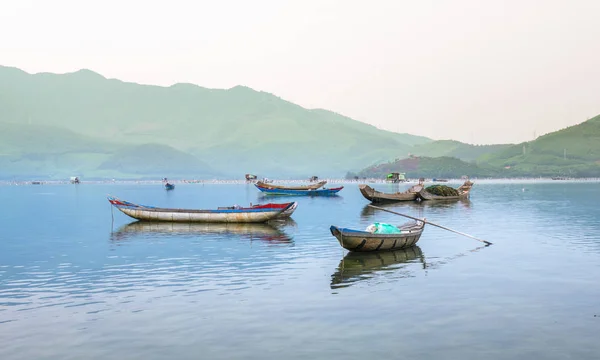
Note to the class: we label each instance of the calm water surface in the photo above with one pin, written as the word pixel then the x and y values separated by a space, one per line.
pixel 78 281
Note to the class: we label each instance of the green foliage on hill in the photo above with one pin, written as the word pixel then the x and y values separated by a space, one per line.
pixel 452 148
pixel 157 160
pixel 82 123
pixel 574 151
pixel 416 167
pixel 235 131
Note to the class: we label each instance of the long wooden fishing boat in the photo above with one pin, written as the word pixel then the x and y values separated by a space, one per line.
pixel 378 197
pixel 463 193
pixel 309 192
pixel 359 240
pixel 221 215
pixel 320 184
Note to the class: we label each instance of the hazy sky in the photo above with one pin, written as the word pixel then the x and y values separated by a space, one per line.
pixel 476 71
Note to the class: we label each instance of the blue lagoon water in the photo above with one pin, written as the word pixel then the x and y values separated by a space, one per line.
pixel 80 281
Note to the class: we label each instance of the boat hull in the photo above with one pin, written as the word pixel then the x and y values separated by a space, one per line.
pixel 363 241
pixel 300 187
pixel 380 197
pixel 317 192
pixel 222 215
pixel 287 210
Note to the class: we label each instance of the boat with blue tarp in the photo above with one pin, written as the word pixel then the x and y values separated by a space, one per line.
pixel 307 192
pixel 407 235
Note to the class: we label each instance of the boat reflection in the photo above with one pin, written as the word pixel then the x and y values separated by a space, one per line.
pixel 368 212
pixel 262 197
pixel 283 223
pixel 264 231
pixel 357 266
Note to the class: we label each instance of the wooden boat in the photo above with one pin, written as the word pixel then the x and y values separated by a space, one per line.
pixel 359 240
pixel 309 192
pixel 358 266
pixel 168 185
pixel 285 187
pixel 463 193
pixel 286 213
pixel 377 196
pixel 439 180
pixel 221 215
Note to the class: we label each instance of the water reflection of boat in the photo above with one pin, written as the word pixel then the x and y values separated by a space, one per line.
pixel 262 231
pixel 356 266
pixel 281 223
pixel 368 212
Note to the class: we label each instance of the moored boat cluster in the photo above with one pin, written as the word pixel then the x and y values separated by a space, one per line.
pixel 401 237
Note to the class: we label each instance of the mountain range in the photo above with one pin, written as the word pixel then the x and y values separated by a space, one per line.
pixel 570 152
pixel 81 123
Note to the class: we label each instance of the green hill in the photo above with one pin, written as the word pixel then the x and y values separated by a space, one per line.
pixel 574 151
pixel 47 151
pixel 416 167
pixel 152 160
pixel 234 131
pixel 571 152
pixel 82 123
pixel 457 149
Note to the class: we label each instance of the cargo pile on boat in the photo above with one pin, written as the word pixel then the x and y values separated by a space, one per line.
pixel 442 190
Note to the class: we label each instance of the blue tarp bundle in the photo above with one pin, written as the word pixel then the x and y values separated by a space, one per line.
pixel 383 228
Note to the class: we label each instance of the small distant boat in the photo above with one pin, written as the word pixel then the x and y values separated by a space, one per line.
pixel 463 193
pixel 74 180
pixel 439 180
pixel 378 197
pixel 359 240
pixel 168 185
pixel 250 177
pixel 302 192
pixel 300 187
pixel 232 214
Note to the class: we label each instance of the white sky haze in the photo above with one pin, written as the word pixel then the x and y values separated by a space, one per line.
pixel 474 71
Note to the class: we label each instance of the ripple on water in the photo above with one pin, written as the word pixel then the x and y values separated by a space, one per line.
pixel 108 292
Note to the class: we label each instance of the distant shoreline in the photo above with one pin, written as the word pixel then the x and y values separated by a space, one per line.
pixel 329 181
